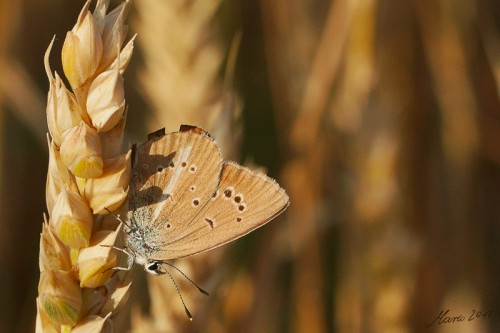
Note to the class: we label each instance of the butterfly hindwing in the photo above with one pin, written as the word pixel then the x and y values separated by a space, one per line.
pixel 244 201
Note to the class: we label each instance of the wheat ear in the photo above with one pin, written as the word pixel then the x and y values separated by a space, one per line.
pixel 88 174
pixel 183 55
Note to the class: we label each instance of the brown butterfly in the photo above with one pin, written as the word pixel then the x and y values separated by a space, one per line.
pixel 185 199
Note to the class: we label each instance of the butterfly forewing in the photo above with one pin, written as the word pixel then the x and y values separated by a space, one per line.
pixel 244 201
pixel 173 177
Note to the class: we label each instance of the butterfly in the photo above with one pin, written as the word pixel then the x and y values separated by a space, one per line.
pixel 184 199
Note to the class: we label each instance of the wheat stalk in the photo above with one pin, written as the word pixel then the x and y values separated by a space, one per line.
pixel 183 57
pixel 88 174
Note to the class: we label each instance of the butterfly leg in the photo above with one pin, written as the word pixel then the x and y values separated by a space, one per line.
pixel 130 263
pixel 130 259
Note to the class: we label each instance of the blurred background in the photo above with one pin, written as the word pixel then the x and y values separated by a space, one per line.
pixel 380 118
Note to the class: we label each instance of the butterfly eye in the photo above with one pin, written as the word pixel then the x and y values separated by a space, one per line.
pixel 154 268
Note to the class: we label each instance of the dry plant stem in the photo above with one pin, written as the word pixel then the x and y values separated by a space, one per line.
pixel 88 174
pixel 17 89
pixel 491 41
pixel 22 100
pixel 304 171
pixel 442 39
pixel 375 224
pixel 4 43
pixel 289 46
pixel 183 56
pixel 448 41
pixel 322 75
pixel 490 38
pixel 347 40
pixel 21 93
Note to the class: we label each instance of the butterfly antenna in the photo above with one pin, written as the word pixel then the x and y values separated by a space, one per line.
pixel 187 278
pixel 117 217
pixel 180 296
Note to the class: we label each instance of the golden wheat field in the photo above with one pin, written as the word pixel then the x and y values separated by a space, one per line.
pixel 381 119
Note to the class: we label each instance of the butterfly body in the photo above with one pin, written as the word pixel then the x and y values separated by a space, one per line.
pixel 142 243
pixel 185 199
